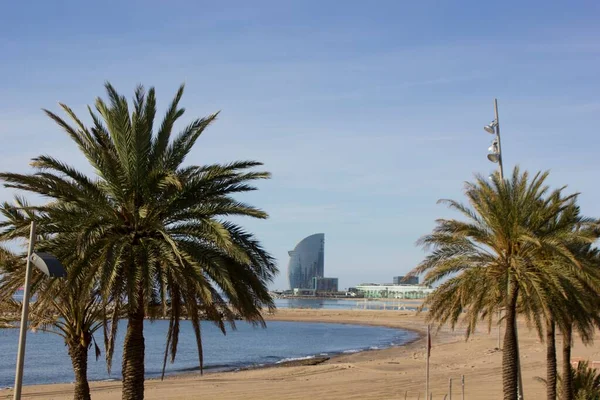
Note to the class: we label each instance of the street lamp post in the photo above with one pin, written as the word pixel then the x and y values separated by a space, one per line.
pixel 50 266
pixel 495 156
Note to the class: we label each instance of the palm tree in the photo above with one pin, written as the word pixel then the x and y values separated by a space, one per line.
pixel 573 304
pixel 70 311
pixel 585 382
pixel 572 298
pixel 156 228
pixel 583 304
pixel 73 311
pixel 499 256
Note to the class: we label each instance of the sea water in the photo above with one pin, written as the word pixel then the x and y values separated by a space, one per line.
pixel 47 361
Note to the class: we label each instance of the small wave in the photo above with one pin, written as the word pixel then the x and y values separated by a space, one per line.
pixel 352 351
pixel 206 368
pixel 294 359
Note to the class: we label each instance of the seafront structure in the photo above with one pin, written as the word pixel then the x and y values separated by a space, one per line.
pixel 387 291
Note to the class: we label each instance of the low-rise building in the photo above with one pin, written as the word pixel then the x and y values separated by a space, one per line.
pixel 402 280
pixel 325 284
pixel 376 291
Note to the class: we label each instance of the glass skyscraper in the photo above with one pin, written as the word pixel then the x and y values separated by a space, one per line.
pixel 307 261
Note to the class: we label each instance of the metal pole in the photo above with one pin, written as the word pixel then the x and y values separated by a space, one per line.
pixel 24 315
pixel 463 387
pixel 501 171
pixel 500 162
pixel 450 389
pixel 427 367
pixel 501 166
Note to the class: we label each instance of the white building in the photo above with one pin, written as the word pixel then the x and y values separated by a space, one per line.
pixel 375 291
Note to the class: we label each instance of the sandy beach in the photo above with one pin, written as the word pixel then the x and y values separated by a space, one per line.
pixel 378 374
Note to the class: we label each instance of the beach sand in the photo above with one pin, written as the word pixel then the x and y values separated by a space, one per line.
pixel 377 374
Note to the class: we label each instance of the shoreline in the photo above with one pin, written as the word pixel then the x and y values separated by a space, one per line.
pixel 281 314
pixel 383 373
pixel 420 334
pixel 304 361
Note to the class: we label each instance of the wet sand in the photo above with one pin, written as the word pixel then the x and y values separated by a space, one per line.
pixel 377 374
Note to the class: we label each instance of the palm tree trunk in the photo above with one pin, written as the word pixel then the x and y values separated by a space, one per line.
pixel 510 364
pixel 79 358
pixel 133 354
pixel 550 360
pixel 567 377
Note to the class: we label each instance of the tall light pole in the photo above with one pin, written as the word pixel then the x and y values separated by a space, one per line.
pixel 495 156
pixel 50 266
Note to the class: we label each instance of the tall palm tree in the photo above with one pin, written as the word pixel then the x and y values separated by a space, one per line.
pixel 583 304
pixel 576 302
pixel 573 297
pixel 70 311
pixel 585 382
pixel 156 228
pixel 498 256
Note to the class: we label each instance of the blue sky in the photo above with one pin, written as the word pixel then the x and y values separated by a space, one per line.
pixel 366 113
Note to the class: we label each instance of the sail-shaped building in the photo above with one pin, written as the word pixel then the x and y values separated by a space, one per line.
pixel 307 261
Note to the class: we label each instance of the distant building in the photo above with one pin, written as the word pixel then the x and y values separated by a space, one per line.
pixel 325 284
pixel 307 261
pixel 303 292
pixel 375 291
pixel 399 280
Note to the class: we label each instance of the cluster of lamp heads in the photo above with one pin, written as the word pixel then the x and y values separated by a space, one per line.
pixel 494 149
